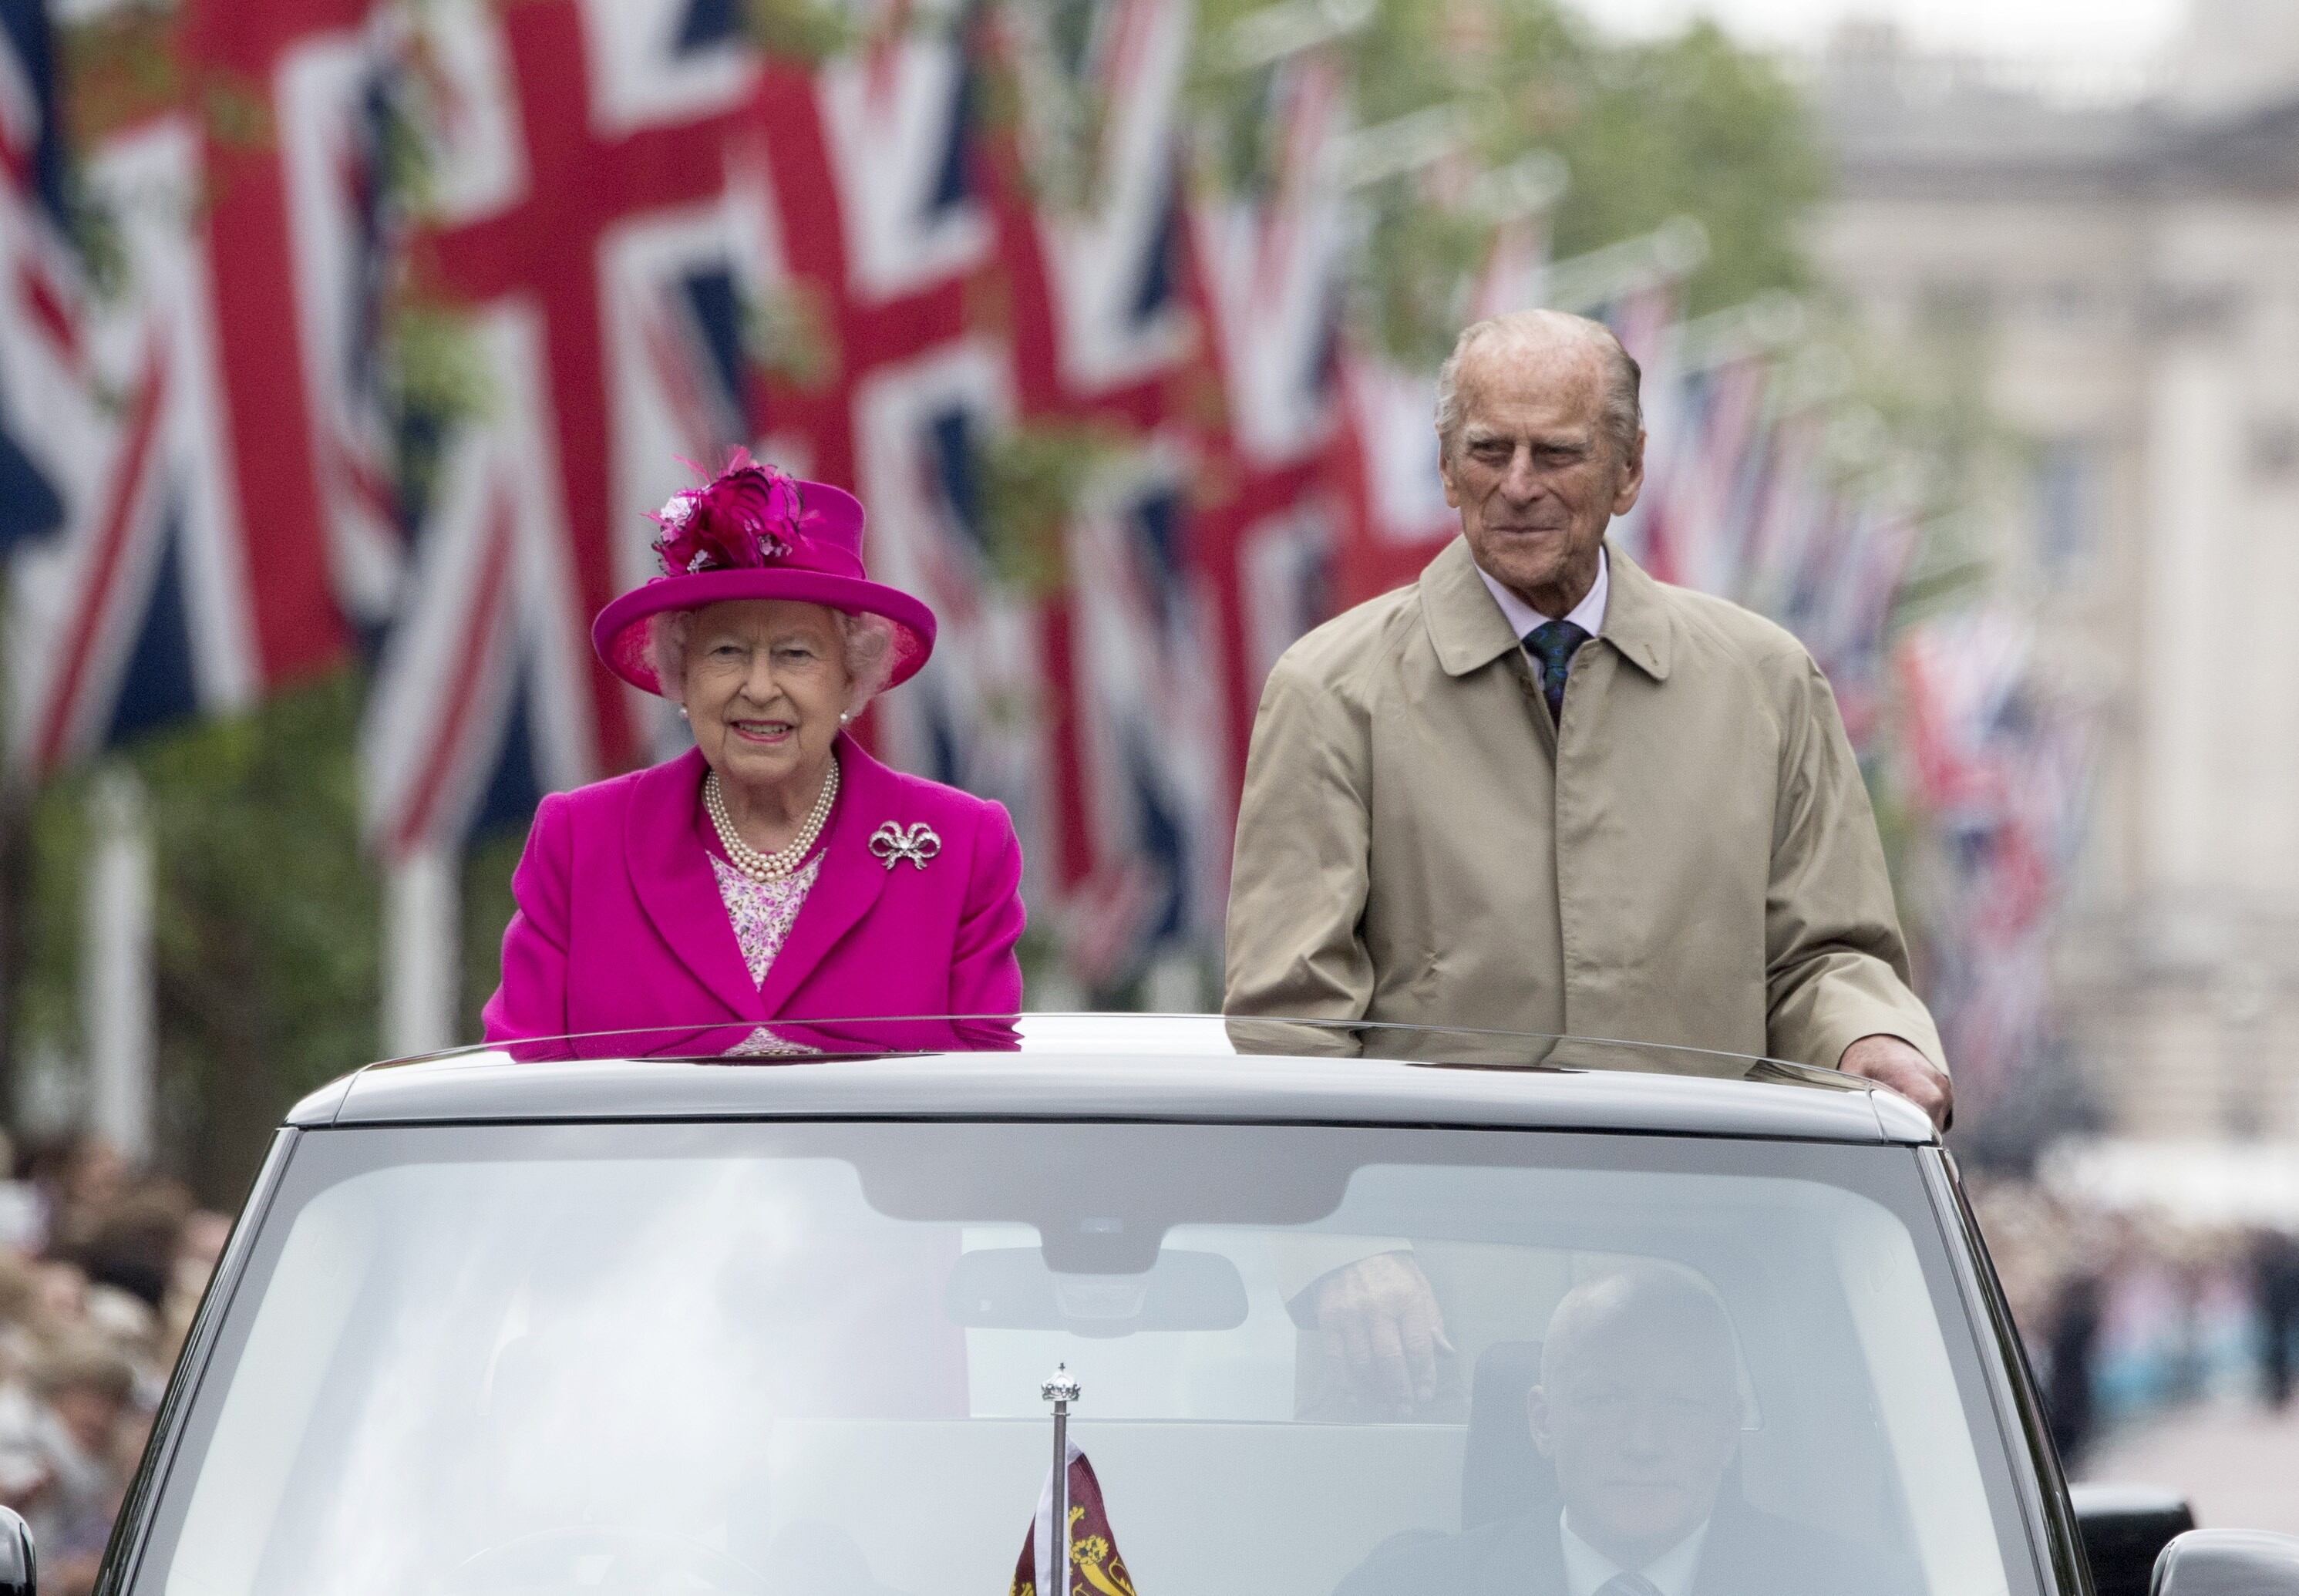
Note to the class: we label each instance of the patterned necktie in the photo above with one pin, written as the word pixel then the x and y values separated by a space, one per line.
pixel 1623 1584
pixel 1552 645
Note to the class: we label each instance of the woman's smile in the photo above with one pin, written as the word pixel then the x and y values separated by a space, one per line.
pixel 770 734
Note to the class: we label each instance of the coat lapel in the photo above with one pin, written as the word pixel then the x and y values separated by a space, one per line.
pixel 1636 616
pixel 1465 627
pixel 850 879
pixel 670 869
pixel 1469 632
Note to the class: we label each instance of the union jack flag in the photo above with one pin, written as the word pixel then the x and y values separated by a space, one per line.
pixel 162 546
pixel 1270 260
pixel 976 715
pixel 2002 775
pixel 900 115
pixel 42 348
pixel 1153 722
pixel 1703 491
pixel 1106 80
pixel 342 99
pixel 1392 421
pixel 470 718
pixel 1268 283
pixel 1286 562
pixel 132 607
pixel 1790 504
pixel 603 225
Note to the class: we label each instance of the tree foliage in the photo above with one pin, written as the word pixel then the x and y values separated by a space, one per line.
pixel 267 920
pixel 1691 125
pixel 1694 126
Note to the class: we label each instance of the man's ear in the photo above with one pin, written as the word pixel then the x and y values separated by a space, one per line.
pixel 1536 1413
pixel 1633 478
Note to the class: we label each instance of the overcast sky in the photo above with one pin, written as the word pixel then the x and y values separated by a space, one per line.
pixel 2106 33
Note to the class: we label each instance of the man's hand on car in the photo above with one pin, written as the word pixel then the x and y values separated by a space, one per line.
pixel 1890 1061
pixel 1378 1332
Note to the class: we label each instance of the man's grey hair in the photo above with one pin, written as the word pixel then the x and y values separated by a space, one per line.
pixel 869 640
pixel 1624 415
pixel 1647 1298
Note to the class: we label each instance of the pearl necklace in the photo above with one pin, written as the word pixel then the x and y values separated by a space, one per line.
pixel 777 865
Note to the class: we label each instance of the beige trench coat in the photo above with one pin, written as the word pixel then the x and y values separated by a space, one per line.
pixel 1689 858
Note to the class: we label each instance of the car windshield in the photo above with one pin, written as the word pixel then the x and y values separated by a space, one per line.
pixel 808 1358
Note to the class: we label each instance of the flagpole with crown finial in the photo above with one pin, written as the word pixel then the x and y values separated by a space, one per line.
pixel 1061 1389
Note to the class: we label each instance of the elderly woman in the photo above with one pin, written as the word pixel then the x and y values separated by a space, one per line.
pixel 774 871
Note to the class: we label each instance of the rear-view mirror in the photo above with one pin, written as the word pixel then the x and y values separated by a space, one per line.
pixel 1012 1288
pixel 2124 1528
pixel 19 1568
pixel 1101 1197
pixel 2228 1562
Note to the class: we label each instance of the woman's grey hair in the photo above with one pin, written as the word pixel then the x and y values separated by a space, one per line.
pixel 1624 416
pixel 868 639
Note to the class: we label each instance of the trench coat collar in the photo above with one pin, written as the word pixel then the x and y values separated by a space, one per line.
pixel 671 868
pixel 1469 631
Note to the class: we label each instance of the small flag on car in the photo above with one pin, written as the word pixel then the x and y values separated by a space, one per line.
pixel 1095 1567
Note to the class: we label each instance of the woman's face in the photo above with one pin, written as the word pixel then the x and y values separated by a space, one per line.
pixel 766 683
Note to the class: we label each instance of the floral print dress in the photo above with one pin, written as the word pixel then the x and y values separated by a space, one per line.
pixel 762 913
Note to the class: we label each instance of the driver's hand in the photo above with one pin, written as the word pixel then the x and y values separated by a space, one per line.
pixel 1377 1332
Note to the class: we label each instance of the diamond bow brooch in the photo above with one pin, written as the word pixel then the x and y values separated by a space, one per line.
pixel 892 843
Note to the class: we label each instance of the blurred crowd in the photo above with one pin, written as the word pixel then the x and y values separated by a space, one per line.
pixel 101 1269
pixel 2128 1314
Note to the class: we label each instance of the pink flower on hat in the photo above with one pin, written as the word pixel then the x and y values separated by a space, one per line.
pixel 744 518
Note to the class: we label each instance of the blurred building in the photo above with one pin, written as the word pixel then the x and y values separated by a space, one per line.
pixel 2117 275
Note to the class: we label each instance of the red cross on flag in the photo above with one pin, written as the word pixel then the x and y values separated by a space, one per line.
pixel 157 512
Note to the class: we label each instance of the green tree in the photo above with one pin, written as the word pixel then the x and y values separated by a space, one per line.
pixel 1692 125
pixel 266 922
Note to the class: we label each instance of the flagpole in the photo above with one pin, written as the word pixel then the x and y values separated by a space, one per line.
pixel 1061 1390
pixel 116 973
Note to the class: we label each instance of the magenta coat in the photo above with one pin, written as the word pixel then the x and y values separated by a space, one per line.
pixel 620 925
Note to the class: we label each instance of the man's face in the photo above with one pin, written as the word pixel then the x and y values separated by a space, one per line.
pixel 1641 1429
pixel 1532 469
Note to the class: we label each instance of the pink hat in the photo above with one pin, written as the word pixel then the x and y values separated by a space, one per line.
pixel 753 533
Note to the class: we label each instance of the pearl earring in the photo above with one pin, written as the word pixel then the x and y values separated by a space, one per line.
pixel 682 711
pixel 844 716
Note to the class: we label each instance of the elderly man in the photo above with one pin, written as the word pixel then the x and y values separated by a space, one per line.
pixel 1638 1413
pixel 1540 791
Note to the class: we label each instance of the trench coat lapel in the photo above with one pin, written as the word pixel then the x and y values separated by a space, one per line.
pixel 1637 621
pixel 1465 627
pixel 670 869
pixel 1469 632
pixel 851 879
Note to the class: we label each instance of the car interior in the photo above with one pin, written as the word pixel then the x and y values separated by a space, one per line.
pixel 673 1364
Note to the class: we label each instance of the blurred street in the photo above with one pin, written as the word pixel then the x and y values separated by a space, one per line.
pixel 2233 1459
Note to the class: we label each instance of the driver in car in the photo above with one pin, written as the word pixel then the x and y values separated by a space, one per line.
pixel 1638 1412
